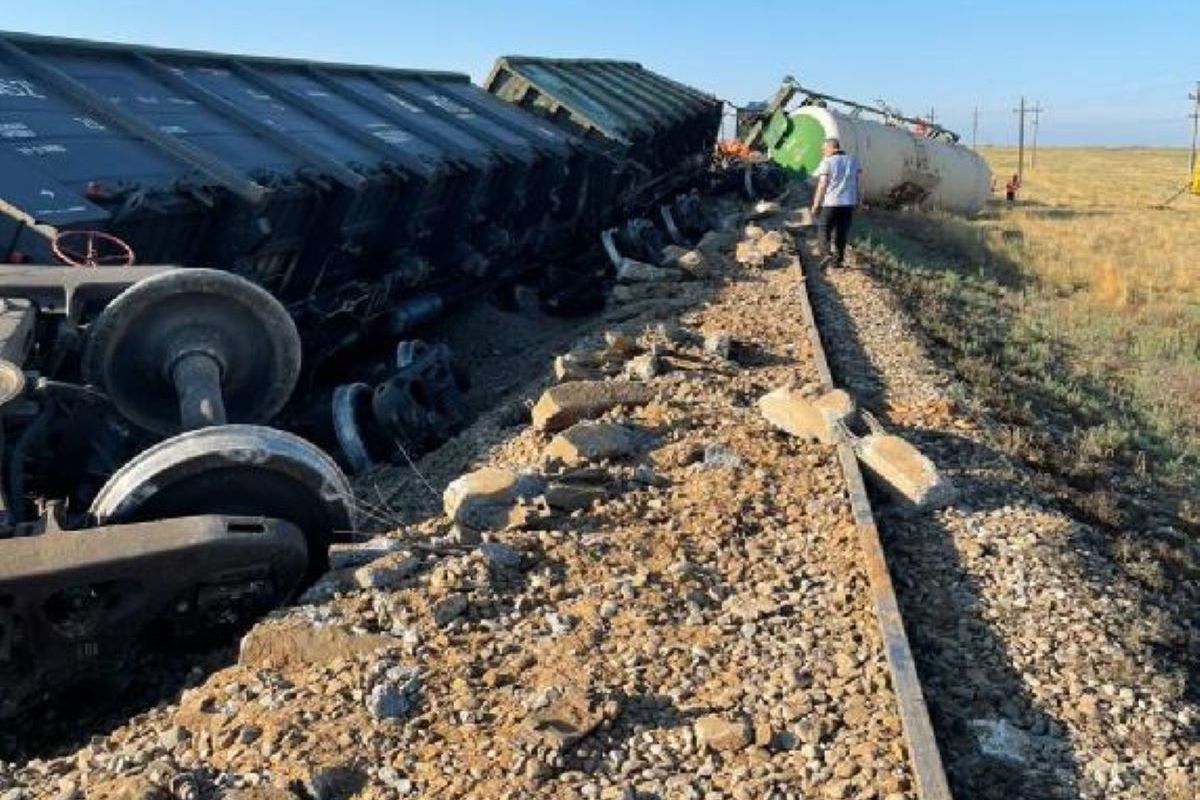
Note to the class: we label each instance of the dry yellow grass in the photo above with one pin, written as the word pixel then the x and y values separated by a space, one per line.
pixel 1120 278
pixel 1086 219
pixel 1076 310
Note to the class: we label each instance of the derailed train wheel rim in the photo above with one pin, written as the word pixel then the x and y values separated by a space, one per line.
pixel 242 470
pixel 138 338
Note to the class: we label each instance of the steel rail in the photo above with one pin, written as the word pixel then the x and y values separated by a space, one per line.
pixel 924 758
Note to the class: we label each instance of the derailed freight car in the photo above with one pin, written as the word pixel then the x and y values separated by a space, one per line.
pixel 659 132
pixel 336 208
pixel 658 127
pixel 299 176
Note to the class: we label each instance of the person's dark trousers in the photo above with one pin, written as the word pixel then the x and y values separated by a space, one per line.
pixel 833 223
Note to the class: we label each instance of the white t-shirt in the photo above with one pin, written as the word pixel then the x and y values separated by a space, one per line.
pixel 841 188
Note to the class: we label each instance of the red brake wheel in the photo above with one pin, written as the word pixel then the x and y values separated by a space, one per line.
pixel 91 249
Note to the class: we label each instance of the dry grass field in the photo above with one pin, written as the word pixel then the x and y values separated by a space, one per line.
pixel 1077 309
pixel 1120 278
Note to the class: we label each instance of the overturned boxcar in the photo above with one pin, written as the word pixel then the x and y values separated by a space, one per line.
pixel 659 134
pixel 316 217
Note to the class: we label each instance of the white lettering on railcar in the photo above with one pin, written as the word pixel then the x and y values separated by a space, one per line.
pixel 49 212
pixel 41 149
pixel 181 101
pixel 91 124
pixel 16 130
pixel 173 129
pixel 392 135
pixel 149 99
pixel 13 87
pixel 407 106
pixel 446 104
pixel 316 93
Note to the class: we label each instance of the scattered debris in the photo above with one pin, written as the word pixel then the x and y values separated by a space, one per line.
pixel 619 345
pixel 718 455
pixel 691 261
pixel 904 471
pixel 500 556
pixel 578 366
pixel 592 441
pixel 345 555
pixel 291 643
pixel 723 735
pixel 763 209
pixel 999 739
pixel 573 497
pixel 719 344
pixel 485 499
pixel 795 414
pixel 449 609
pixel 387 572
pixel 334 782
pixel 760 250
pixel 644 367
pixel 567 403
pixel 395 694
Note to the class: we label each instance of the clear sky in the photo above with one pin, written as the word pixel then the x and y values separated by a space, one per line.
pixel 1107 71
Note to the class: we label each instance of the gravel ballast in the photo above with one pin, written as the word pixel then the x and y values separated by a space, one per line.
pixel 699 626
pixel 1040 659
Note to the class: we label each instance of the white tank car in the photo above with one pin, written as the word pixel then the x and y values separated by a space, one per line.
pixel 898 165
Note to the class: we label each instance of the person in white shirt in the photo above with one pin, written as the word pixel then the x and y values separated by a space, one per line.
pixel 836 196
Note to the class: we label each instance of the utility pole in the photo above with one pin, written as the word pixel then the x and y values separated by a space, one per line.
pixel 1020 111
pixel 975 128
pixel 1037 114
pixel 1195 98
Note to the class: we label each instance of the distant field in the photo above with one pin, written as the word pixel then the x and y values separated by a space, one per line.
pixel 1124 276
pixel 1087 220
pixel 1078 307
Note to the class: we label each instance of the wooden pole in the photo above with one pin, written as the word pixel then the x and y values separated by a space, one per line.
pixel 1020 111
pixel 1037 114
pixel 1195 98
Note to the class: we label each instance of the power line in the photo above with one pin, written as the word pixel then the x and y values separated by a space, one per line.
pixel 1195 98
pixel 1020 112
pixel 1037 115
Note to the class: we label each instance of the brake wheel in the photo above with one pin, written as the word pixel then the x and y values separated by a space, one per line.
pixel 91 249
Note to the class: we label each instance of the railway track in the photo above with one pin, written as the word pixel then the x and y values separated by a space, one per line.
pixel 925 759
pixel 689 603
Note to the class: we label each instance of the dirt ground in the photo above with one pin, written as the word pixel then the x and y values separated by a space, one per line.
pixel 699 626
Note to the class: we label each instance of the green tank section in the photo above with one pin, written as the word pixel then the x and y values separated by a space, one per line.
pixel 794 143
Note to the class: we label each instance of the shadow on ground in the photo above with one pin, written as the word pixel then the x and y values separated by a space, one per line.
pixel 960 296
pixel 973 691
